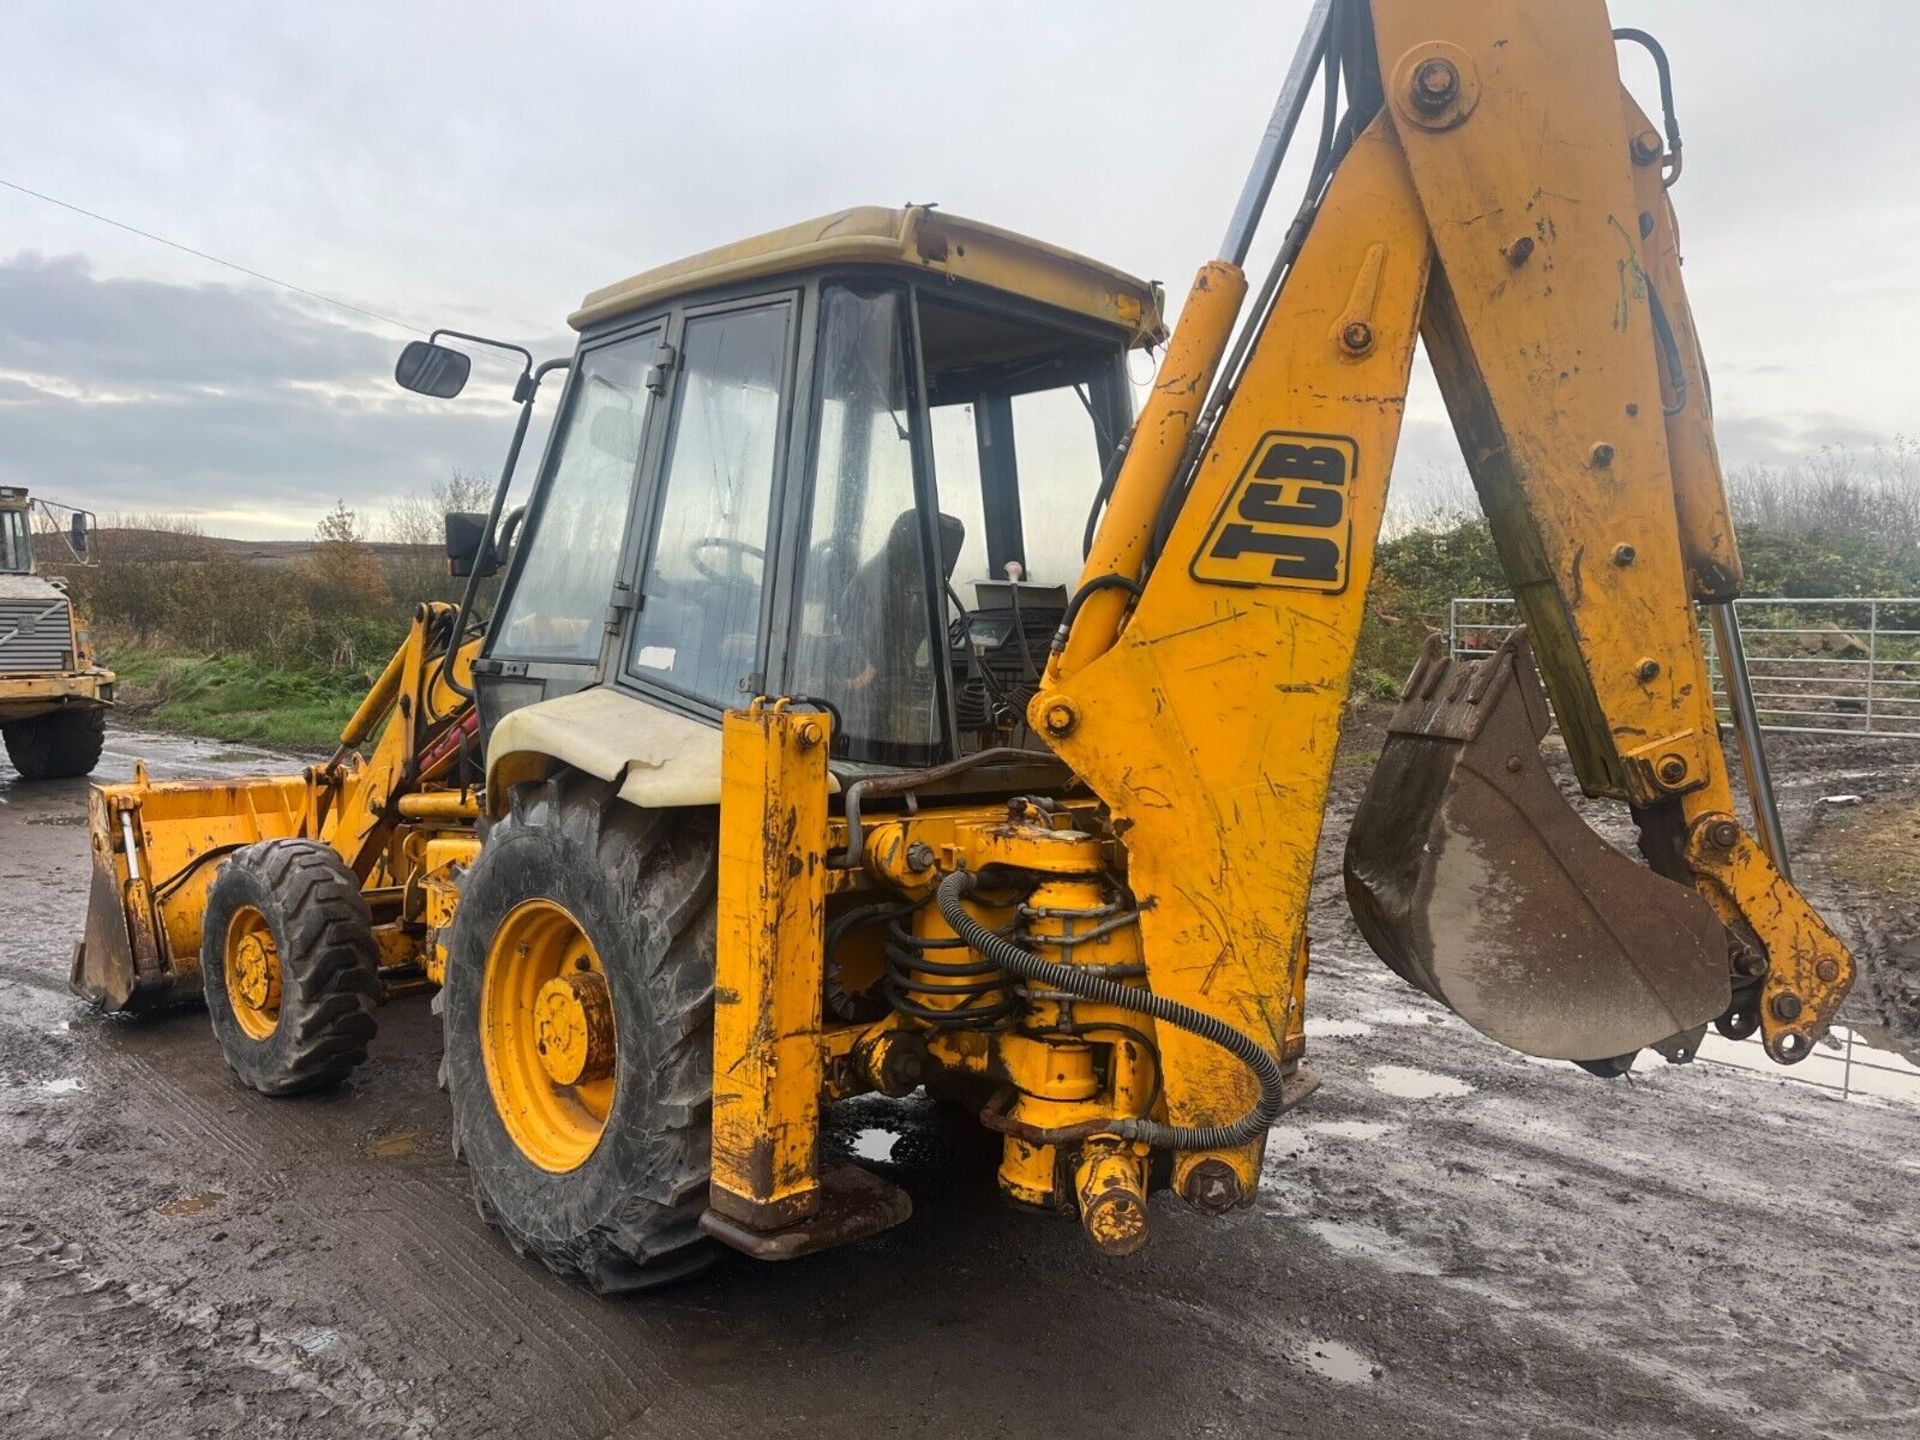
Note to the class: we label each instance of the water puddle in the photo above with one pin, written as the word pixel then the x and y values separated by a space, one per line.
pixel 66 1086
pixel 1319 1027
pixel 1409 1082
pixel 1845 1063
pixel 192 1204
pixel 1339 1361
pixel 1366 1242
pixel 1362 1130
pixel 1404 1015
pixel 397 1145
pixel 876 1145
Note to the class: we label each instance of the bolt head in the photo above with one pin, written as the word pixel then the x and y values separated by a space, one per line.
pixel 1357 337
pixel 1828 971
pixel 1672 769
pixel 1723 834
pixel 1647 147
pixel 1059 719
pixel 1435 84
pixel 1600 456
pixel 1520 250
pixel 1212 1188
pixel 1648 669
pixel 1624 555
pixel 1787 1007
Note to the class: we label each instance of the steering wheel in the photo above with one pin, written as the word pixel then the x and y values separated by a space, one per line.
pixel 740 550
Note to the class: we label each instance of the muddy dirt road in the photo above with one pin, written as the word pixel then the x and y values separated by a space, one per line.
pixel 1453 1241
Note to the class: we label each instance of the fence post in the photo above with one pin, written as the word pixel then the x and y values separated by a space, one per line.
pixel 1873 654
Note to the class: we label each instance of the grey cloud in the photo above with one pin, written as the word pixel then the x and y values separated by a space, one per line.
pixel 239 399
pixel 1788 439
pixel 58 318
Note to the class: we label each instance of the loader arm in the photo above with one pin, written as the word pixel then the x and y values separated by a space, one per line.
pixel 157 845
pixel 1495 192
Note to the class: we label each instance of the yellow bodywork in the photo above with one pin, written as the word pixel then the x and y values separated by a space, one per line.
pixel 916 237
pixel 391 816
pixel 1209 725
pixel 767 966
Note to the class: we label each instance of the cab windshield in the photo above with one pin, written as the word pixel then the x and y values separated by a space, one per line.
pixel 16 544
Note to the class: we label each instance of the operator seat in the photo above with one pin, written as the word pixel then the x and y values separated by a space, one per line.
pixel 885 621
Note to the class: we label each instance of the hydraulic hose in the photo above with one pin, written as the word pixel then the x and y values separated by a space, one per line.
pixel 1102 991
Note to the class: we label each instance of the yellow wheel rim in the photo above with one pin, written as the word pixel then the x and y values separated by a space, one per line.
pixel 253 973
pixel 547 1035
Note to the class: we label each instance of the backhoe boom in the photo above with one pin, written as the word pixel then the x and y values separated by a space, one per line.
pixel 1505 201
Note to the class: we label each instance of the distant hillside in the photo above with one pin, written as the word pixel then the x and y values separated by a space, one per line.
pixel 124 544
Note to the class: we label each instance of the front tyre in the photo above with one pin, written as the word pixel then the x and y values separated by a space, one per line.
pixel 57 746
pixel 289 966
pixel 579 1032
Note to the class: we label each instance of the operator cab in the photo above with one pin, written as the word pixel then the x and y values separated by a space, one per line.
pixel 853 460
pixel 16 537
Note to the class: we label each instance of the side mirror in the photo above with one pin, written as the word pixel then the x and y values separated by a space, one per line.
pixel 429 369
pixel 465 534
pixel 79 533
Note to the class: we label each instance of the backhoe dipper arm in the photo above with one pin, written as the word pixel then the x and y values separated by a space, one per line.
pixel 1504 200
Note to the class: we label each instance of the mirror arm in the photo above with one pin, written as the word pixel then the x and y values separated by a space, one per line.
pixel 526 355
pixel 530 385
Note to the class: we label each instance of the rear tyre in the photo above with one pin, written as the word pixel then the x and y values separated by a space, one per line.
pixel 58 746
pixel 289 966
pixel 579 1032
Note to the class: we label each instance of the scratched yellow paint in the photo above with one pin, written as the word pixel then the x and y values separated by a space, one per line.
pixel 1210 727
pixel 767 1058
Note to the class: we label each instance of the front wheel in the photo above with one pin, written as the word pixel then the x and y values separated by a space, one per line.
pixel 289 966
pixel 58 746
pixel 579 1032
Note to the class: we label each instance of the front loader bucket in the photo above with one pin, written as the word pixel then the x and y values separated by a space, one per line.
pixel 155 849
pixel 1476 881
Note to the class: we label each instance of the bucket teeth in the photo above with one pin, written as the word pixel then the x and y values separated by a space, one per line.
pixel 1473 878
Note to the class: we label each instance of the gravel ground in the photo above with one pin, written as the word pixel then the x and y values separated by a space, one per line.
pixel 1452 1240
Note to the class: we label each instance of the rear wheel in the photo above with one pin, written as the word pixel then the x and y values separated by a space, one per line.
pixel 289 966
pixel 58 746
pixel 579 1032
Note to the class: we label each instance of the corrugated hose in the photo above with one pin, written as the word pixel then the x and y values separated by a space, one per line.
pixel 1103 991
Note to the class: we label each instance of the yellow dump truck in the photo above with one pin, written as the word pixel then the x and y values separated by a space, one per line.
pixel 53 696
pixel 873 701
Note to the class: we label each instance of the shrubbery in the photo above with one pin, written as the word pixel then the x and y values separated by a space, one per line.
pixel 1841 524
pixel 209 634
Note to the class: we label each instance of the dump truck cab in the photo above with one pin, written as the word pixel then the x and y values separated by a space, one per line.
pixel 853 459
pixel 53 696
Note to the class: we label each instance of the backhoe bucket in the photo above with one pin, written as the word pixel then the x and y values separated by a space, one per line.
pixel 1475 880
pixel 156 847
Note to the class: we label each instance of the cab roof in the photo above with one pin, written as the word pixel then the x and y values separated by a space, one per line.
pixel 915 238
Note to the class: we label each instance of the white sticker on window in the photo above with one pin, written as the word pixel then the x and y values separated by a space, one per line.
pixel 656 657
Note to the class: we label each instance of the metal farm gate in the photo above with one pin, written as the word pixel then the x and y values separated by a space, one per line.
pixel 1819 666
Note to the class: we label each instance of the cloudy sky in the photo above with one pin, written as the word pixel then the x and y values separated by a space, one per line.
pixel 484 165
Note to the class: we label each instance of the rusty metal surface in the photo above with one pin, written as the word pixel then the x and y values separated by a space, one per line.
pixel 1476 881
pixel 854 1203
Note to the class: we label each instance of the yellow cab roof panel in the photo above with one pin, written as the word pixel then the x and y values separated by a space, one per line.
pixel 918 238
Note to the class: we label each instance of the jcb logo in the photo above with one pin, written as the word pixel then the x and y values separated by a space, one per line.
pixel 1285 522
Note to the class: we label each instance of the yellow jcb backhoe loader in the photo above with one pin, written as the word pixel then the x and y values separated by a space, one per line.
pixel 739 804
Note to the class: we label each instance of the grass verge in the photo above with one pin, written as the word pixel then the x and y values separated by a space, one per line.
pixel 233 697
